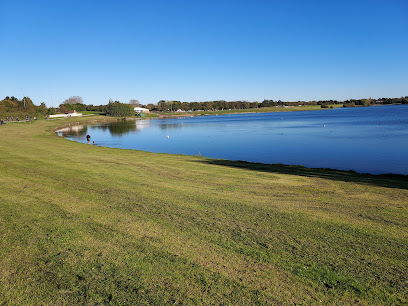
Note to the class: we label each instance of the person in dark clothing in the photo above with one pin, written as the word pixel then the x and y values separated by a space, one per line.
pixel 88 138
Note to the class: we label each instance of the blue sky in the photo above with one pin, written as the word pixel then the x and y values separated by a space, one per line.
pixel 203 50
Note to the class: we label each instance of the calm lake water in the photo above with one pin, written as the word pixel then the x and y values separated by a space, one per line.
pixel 365 139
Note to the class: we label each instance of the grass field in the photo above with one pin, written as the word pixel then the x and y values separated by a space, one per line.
pixel 81 224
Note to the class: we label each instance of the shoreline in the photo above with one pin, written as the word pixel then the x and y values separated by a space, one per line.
pixel 102 120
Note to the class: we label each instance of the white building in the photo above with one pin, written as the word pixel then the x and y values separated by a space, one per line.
pixel 67 115
pixel 140 110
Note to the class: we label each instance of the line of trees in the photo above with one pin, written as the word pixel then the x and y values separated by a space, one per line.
pixel 368 102
pixel 79 107
pixel 15 107
pixel 11 106
pixel 19 108
pixel 169 106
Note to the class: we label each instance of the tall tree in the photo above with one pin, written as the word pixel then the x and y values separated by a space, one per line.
pixel 134 102
pixel 117 109
pixel 73 100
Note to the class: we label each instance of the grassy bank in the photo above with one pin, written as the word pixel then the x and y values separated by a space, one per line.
pixel 87 224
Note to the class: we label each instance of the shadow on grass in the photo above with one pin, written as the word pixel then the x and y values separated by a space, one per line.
pixel 383 180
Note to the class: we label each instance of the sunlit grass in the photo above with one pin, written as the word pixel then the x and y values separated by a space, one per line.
pixel 87 224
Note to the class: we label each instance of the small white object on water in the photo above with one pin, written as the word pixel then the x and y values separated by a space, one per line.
pixel 168 136
pixel 324 125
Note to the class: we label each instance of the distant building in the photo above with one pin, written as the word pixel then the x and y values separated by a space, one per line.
pixel 69 114
pixel 140 110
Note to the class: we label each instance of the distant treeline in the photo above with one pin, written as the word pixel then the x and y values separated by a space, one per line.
pixel 368 102
pixel 79 107
pixel 166 106
pixel 25 106
pixel 12 106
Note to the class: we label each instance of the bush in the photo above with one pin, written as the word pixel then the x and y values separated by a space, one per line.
pixel 117 109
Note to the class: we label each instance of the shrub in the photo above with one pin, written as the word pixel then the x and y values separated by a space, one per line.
pixel 117 109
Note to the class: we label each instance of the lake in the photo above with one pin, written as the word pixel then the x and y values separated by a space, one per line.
pixel 364 139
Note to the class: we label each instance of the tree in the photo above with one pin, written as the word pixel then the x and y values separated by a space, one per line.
pixel 185 106
pixel 117 109
pixel 134 102
pixel 52 111
pixel 162 106
pixel 151 106
pixel 63 108
pixel 175 105
pixel 25 104
pixel 245 104
pixel 23 107
pixel 74 100
pixel 42 109
pixel 254 105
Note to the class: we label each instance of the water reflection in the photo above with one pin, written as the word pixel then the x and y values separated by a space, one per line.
pixel 121 127
pixel 77 130
pixel 170 126
pixel 115 128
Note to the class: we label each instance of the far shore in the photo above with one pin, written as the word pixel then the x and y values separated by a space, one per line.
pixel 244 111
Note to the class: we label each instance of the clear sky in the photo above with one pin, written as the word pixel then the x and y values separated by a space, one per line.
pixel 201 50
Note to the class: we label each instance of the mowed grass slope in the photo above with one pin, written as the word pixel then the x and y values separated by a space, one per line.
pixel 87 224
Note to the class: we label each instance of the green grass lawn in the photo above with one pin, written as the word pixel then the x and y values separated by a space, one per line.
pixel 82 224
pixel 89 112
